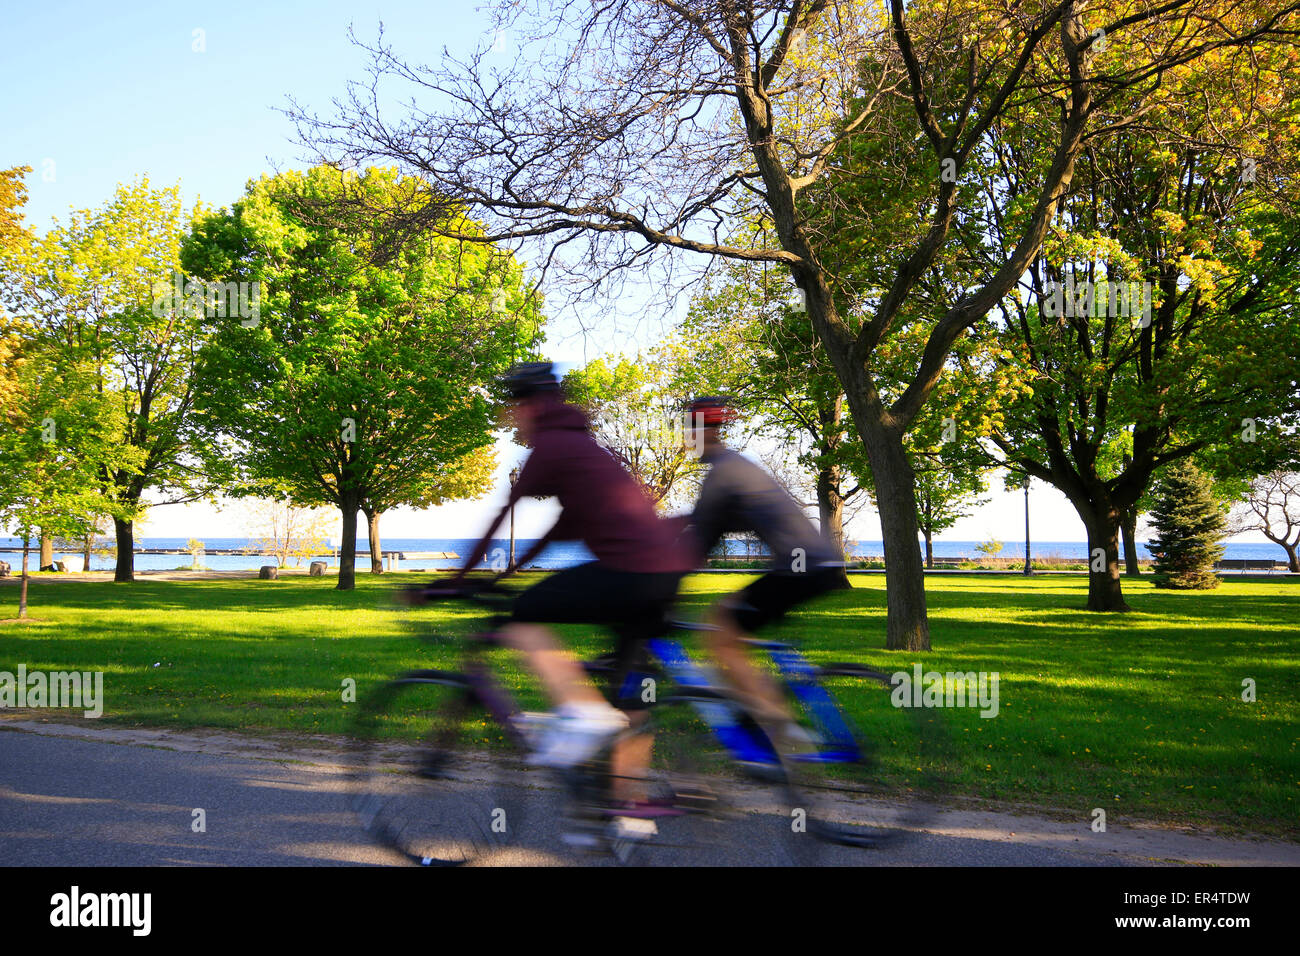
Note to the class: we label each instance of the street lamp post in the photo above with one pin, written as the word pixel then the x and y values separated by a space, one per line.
pixel 1027 568
pixel 514 476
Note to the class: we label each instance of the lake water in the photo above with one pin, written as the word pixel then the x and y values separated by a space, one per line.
pixel 559 555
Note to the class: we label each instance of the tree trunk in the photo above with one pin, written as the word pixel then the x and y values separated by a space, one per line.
pixel 1104 590
pixel 907 628
pixel 47 553
pixel 372 534
pixel 87 544
pixel 22 592
pixel 830 511
pixel 125 550
pixel 929 548
pixel 348 549
pixel 1129 527
pixel 1291 558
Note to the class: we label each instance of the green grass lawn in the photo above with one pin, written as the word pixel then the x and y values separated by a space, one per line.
pixel 1141 714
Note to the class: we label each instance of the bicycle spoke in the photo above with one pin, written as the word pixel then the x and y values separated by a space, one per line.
pixel 446 800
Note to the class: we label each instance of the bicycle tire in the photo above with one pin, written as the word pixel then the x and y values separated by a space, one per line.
pixel 889 794
pixel 724 811
pixel 444 801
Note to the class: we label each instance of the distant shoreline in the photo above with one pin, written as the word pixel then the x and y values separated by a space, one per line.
pixel 230 554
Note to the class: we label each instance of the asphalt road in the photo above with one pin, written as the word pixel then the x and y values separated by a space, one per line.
pixel 73 801
pixel 76 802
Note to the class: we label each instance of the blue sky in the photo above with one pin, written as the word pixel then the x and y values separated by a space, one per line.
pixel 98 94
pixel 186 91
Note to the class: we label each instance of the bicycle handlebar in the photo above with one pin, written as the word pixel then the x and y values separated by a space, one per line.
pixel 489 596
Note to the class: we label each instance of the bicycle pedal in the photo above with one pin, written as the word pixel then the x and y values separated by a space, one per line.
pixel 696 800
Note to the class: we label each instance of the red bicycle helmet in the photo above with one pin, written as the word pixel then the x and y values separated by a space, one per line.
pixel 711 411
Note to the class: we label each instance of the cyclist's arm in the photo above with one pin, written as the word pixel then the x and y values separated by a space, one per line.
pixel 534 551
pixel 479 551
pixel 709 520
pixel 530 482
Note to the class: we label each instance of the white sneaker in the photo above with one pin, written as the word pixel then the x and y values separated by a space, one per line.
pixel 533 726
pixel 577 733
pixel 633 828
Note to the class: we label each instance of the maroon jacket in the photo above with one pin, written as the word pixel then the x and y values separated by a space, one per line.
pixel 601 504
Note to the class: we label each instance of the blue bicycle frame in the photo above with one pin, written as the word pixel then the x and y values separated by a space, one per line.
pixel 838 744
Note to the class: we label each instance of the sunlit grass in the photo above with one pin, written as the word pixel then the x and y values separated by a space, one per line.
pixel 1141 714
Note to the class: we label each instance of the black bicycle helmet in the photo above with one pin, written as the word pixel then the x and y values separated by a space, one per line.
pixel 530 378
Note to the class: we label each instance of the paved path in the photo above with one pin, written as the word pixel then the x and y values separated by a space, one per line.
pixel 82 795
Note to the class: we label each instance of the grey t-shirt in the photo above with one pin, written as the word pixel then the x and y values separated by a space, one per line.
pixel 737 495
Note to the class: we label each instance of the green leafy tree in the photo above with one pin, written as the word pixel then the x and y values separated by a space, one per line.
pixel 944 494
pixel 56 438
pixel 990 548
pixel 749 341
pixel 1159 321
pixel 364 379
pixel 100 290
pixel 465 479
pixel 1189 521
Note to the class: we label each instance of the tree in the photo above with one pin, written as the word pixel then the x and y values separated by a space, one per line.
pixel 1159 322
pixel 364 379
pixel 1189 521
pixel 56 437
pixel 13 335
pixel 100 289
pixel 751 343
pixel 654 125
pixel 990 549
pixel 944 495
pixel 276 527
pixel 1271 505
pixel 468 478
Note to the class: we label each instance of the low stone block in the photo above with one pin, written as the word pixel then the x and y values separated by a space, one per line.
pixel 317 569
pixel 268 572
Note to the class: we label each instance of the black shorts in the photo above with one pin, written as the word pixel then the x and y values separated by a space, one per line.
pixel 771 596
pixel 632 604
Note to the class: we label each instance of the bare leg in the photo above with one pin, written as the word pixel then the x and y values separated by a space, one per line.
pixel 562 676
pixel 629 759
pixel 757 690
pixel 566 682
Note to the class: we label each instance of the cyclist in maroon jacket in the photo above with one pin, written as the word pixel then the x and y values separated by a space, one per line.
pixel 628 588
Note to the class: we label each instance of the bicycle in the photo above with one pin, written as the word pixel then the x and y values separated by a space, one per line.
pixel 447 803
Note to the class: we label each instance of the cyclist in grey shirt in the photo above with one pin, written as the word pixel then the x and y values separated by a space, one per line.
pixel 737 495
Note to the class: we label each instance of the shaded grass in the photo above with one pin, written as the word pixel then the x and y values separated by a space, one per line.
pixel 1140 714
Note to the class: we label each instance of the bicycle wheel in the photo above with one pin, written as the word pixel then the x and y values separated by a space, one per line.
pixel 730 793
pixel 874 780
pixel 453 797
